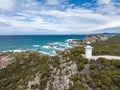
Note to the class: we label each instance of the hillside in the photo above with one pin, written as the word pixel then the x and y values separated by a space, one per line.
pixel 67 71
pixel 91 38
pixel 109 47
pixel 95 38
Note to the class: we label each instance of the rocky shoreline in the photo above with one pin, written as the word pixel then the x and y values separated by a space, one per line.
pixel 4 60
pixel 90 38
pixel 32 70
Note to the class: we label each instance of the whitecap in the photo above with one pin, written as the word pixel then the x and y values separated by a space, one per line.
pixel 18 50
pixel 46 46
pixel 59 44
pixel 68 40
pixel 49 47
pixel 54 43
pixel 36 45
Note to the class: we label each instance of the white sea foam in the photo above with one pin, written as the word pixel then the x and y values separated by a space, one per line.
pixel 45 46
pixel 16 50
pixel 69 47
pixel 64 44
pixel 69 40
pixel 51 53
pixel 59 44
pixel 33 49
pixel 36 45
pixel 49 47
pixel 54 43
pixel 43 52
pixel 62 49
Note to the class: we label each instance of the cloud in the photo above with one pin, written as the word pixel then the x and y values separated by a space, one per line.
pixel 102 2
pixel 108 7
pixel 7 5
pixel 108 30
pixel 32 17
pixel 55 21
pixel 55 2
pixel 2 24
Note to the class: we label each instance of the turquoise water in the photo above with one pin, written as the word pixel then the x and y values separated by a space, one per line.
pixel 42 43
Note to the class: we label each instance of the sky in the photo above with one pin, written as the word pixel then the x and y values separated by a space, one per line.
pixel 59 16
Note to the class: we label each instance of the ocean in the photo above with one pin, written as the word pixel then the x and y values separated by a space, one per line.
pixel 41 43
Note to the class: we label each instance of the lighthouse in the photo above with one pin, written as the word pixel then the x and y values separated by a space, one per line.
pixel 88 50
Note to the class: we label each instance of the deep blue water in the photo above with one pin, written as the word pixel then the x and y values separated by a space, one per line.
pixel 36 42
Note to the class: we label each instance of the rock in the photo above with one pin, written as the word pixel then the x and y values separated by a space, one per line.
pixel 95 38
pixel 4 60
pixel 89 38
pixel 51 46
pixel 58 51
pixel 74 41
pixel 2 54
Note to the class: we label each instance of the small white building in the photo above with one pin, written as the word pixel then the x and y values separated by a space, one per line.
pixel 88 50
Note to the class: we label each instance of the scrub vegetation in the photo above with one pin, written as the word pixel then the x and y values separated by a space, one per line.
pixel 36 71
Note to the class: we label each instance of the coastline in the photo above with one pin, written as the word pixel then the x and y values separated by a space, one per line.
pixel 49 49
pixel 41 43
pixel 57 71
pixel 49 46
pixel 52 48
pixel 57 52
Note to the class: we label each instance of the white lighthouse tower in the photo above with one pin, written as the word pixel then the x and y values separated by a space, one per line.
pixel 88 50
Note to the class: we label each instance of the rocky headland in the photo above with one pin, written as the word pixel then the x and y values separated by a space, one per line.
pixel 68 70
pixel 95 38
pixel 90 38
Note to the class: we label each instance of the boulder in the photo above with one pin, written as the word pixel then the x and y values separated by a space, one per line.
pixel 58 51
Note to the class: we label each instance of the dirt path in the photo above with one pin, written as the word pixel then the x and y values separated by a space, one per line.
pixel 106 56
